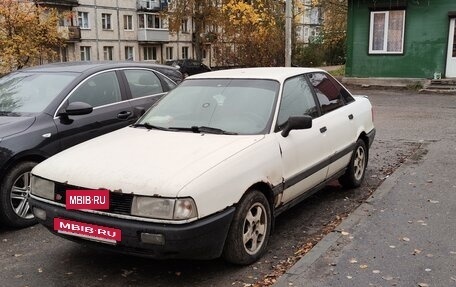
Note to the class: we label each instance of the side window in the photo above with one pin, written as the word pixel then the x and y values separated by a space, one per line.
pixel 98 90
pixel 143 83
pixel 327 94
pixel 297 100
pixel 345 94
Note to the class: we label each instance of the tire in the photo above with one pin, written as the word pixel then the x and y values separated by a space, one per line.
pixel 15 211
pixel 354 175
pixel 249 232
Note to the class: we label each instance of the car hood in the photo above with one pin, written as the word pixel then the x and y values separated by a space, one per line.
pixel 135 160
pixel 13 125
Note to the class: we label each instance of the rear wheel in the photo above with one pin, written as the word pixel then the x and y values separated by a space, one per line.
pixel 354 174
pixel 15 210
pixel 249 232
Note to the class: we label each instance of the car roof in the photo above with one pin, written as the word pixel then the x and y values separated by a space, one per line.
pixel 269 73
pixel 81 67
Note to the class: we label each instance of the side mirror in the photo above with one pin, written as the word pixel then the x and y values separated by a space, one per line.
pixel 297 123
pixel 76 109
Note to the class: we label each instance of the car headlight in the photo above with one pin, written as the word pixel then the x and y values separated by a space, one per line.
pixel 42 187
pixel 164 208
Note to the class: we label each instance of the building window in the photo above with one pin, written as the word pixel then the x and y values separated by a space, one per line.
pixel 150 53
pixel 129 53
pixel 107 53
pixel 150 4
pixel 204 53
pixel 128 22
pixel 169 53
pixel 106 21
pixel 184 26
pixel 85 53
pixel 83 20
pixel 387 32
pixel 150 21
pixel 184 52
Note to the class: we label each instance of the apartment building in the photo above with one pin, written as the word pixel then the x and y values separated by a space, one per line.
pixel 309 21
pixel 137 30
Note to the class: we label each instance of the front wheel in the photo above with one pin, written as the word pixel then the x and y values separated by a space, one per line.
pixel 354 174
pixel 15 210
pixel 249 232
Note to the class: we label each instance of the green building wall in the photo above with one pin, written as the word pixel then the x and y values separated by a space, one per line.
pixel 425 42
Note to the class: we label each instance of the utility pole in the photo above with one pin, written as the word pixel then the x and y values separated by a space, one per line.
pixel 288 5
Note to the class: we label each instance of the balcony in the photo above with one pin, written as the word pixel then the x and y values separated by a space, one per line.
pixel 71 34
pixel 151 5
pixel 65 3
pixel 153 35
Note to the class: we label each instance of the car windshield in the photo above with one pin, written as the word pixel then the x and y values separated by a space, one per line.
pixel 22 93
pixel 234 106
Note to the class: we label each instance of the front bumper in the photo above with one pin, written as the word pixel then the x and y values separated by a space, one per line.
pixel 202 239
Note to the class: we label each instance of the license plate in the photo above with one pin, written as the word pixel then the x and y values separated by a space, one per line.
pixel 88 231
pixel 87 199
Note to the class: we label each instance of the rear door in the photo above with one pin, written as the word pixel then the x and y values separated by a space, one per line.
pixel 303 151
pixel 111 111
pixel 337 120
pixel 145 87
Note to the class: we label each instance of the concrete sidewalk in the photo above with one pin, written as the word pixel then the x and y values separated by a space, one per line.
pixel 404 235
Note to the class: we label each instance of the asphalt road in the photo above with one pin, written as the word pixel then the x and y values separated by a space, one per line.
pixel 404 120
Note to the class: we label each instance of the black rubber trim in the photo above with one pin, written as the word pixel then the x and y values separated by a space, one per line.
pixel 371 136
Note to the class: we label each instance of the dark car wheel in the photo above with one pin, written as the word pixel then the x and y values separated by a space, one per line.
pixel 15 210
pixel 354 175
pixel 249 232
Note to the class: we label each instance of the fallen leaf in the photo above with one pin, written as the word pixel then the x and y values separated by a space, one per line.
pixel 392 246
pixel 406 239
pixel 363 266
pixel 416 251
pixel 375 271
pixel 40 270
pixel 428 270
pixel 18 276
pixel 429 181
pixel 353 260
pixel 429 255
pixel 453 252
pixel 423 285
pixel 69 273
pixel 17 255
pixel 387 278
pixel 178 273
pixel 5 240
pixel 344 233
pixel 433 201
pixel 349 277
pixel 420 221
pixel 125 273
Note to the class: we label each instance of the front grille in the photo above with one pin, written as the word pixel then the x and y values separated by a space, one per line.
pixel 119 203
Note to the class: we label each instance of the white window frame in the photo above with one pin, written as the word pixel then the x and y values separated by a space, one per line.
pixel 106 21
pixel 127 51
pixel 150 55
pixel 185 52
pixel 128 22
pixel 108 53
pixel 169 53
pixel 385 35
pixel 85 53
pixel 83 20
pixel 184 26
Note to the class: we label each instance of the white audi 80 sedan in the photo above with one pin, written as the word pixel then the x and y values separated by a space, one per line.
pixel 205 171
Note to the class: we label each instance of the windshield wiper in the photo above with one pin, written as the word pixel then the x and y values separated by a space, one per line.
pixel 203 129
pixel 149 126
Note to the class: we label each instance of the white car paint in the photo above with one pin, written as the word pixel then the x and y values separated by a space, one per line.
pixel 215 170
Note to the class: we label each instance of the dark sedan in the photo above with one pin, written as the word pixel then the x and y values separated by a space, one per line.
pixel 46 109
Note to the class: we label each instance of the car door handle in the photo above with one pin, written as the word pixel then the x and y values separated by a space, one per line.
pixel 124 115
pixel 323 130
pixel 350 116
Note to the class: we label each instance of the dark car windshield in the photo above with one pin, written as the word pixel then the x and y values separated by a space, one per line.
pixel 235 106
pixel 22 93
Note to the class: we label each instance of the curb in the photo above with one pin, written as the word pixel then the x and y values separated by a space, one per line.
pixel 356 217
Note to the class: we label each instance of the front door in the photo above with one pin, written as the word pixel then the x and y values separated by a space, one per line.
pixel 451 54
